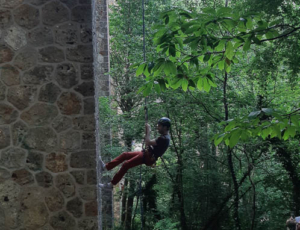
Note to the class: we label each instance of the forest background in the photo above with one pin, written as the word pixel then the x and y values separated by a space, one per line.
pixel 227 74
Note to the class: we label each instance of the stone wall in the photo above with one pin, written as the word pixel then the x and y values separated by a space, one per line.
pixel 47 142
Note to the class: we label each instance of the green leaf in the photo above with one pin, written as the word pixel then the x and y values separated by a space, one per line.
pixel 249 24
pixel 290 131
pixel 267 111
pixel 295 120
pixel 140 69
pixel 209 10
pixel 221 64
pixel 230 126
pixel 206 85
pixel 234 139
pixel 148 89
pixel 220 46
pixel 185 84
pixel 169 68
pixel 218 139
pixel 206 57
pixel 247 44
pixel 253 115
pixel 229 53
pixel 200 83
pixel 157 87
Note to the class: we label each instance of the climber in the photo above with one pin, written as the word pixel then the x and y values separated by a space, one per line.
pixel 154 148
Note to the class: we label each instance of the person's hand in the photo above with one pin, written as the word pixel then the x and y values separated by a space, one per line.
pixel 148 128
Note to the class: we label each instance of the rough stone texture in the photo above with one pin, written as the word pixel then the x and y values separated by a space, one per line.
pixel 37 2
pixel 6 54
pixel 10 3
pixel 44 179
pixel 34 160
pixel 85 123
pixel 41 36
pixel 34 213
pixel 2 91
pixel 86 88
pixel 85 2
pixel 62 123
pixel 89 106
pixel 40 114
pixel 91 208
pixel 4 174
pixel 4 136
pixel 26 16
pixel 75 207
pixel 82 14
pixel 88 224
pixel 56 162
pixel 69 103
pixel 22 177
pixel 40 138
pixel 10 75
pixel 49 93
pixel 19 130
pixel 51 54
pixel 69 140
pixel 21 96
pixel 69 3
pixel 83 159
pixel 54 200
pixel 91 177
pixel 15 37
pixel 87 72
pixel 38 75
pixel 66 34
pixel 26 58
pixel 13 158
pixel 62 221
pixel 88 193
pixel 88 141
pixel 86 35
pixel 65 184
pixel 81 53
pixel 66 75
pixel 78 176
pixel 54 13
pixel 7 114
pixel 5 18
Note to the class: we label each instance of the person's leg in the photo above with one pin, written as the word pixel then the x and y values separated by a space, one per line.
pixel 121 158
pixel 133 162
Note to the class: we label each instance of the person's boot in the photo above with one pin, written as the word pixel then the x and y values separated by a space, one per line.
pixel 102 164
pixel 106 186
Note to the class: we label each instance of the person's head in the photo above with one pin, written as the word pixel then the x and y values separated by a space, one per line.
pixel 163 125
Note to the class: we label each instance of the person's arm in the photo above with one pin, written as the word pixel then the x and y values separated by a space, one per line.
pixel 147 137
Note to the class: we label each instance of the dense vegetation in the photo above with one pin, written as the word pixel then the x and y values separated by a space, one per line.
pixel 227 75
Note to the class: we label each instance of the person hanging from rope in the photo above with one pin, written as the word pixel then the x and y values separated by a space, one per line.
pixel 154 148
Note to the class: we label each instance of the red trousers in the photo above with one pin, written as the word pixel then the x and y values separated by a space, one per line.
pixel 132 159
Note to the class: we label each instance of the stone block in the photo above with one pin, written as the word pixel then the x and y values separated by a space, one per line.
pixel 4 174
pixel 15 37
pixel 69 103
pixel 86 34
pixel 13 158
pixel 22 177
pixel 86 88
pixel 82 14
pixel 27 16
pixel 35 160
pixel 41 36
pixel 69 140
pixel 89 105
pixel 80 53
pixel 66 34
pixel 91 208
pixel 65 184
pixel 91 177
pixel 88 141
pixel 75 207
pixel 78 176
pixel 88 193
pixel 4 137
pixel 49 93
pixel 22 96
pixel 54 13
pixel 51 54
pixel 62 123
pixel 10 75
pixel 56 162
pixel 6 54
pixel 85 2
pixel 26 58
pixel 19 130
pixel 8 114
pixel 62 221
pixel 83 159
pixel 10 3
pixel 88 224
pixel 69 3
pixel 2 91
pixel 44 179
pixel 40 114
pixel 54 200
pixel 87 71
pixel 85 123
pixel 38 75
pixel 40 138
pixel 66 75
pixel 5 18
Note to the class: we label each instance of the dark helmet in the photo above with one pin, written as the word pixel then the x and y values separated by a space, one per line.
pixel 164 121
